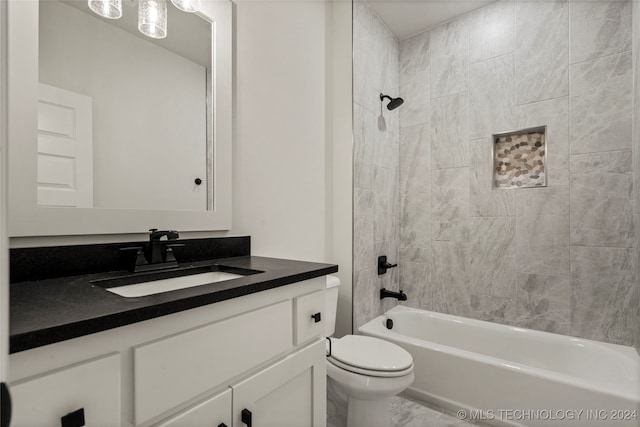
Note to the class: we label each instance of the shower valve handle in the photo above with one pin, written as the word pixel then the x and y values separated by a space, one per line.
pixel 384 265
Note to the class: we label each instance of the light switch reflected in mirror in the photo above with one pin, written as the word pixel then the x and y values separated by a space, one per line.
pixel 124 121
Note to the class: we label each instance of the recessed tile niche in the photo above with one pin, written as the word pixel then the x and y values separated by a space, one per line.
pixel 519 158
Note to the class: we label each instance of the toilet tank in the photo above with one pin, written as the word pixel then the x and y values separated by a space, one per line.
pixel 331 304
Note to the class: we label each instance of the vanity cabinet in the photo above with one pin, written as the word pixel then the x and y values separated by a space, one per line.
pixel 89 391
pixel 289 393
pixel 256 360
pixel 214 412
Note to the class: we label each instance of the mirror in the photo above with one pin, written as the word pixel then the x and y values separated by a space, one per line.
pixel 114 132
pixel 94 153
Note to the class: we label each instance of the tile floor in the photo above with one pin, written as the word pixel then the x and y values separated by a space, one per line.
pixel 407 413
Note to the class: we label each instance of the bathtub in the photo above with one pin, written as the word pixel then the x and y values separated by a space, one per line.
pixel 508 376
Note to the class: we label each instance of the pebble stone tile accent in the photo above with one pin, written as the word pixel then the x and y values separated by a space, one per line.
pixel 519 160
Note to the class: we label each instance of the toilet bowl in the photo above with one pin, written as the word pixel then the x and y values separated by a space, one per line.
pixel 369 370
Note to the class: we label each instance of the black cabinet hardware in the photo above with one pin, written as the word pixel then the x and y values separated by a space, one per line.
pixel 316 317
pixel 73 419
pixel 222 425
pixel 198 181
pixel 246 417
pixel 5 404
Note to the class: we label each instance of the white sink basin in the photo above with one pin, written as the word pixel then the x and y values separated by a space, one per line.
pixel 175 283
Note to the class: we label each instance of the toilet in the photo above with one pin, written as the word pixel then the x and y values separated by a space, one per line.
pixel 369 370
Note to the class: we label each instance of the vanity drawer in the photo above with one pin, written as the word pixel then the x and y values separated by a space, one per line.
pixel 309 314
pixel 212 412
pixel 172 371
pixel 93 387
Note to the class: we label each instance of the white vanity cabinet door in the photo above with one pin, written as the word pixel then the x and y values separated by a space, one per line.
pixel 169 372
pixel 213 412
pixel 93 386
pixel 290 393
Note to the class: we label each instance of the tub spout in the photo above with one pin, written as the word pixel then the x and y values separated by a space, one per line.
pixel 390 294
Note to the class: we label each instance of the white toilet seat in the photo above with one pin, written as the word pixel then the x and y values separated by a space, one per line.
pixel 370 356
pixel 369 373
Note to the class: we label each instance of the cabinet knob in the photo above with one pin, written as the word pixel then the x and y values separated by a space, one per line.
pixel 316 317
pixel 73 419
pixel 222 425
pixel 246 417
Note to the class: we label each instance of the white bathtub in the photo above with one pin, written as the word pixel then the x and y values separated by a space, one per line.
pixel 503 375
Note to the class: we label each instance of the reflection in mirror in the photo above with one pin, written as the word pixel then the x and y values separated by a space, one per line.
pixel 124 121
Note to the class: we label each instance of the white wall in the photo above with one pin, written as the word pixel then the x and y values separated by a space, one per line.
pixel 339 205
pixel 279 148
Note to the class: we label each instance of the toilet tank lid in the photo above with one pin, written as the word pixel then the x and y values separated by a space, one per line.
pixel 332 281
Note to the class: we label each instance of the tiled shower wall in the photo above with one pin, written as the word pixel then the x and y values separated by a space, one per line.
pixel 376 205
pixel 562 258
pixel 636 159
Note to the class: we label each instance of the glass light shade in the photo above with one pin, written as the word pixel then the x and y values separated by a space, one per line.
pixel 152 18
pixel 111 9
pixel 187 5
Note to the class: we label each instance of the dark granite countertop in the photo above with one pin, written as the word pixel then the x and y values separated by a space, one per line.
pixel 52 310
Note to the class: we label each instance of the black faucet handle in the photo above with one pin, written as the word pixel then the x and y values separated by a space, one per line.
pixel 384 265
pixel 140 258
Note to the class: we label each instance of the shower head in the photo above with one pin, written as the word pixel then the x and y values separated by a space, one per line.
pixel 393 102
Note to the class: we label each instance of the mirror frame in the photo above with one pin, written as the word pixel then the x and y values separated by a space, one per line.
pixel 25 218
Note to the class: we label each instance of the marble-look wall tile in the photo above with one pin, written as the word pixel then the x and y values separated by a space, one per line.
pixel 636 245
pixel 363 228
pixel 635 330
pixel 450 288
pixel 492 31
pixel 376 209
pixel 599 28
pixel 450 131
pixel 491 96
pixel 415 280
pixel 450 204
pixel 601 104
pixel 542 51
pixel 386 150
pixel 364 146
pixel 636 106
pixel 493 309
pixel 366 297
pixel 544 303
pixel 415 92
pixel 362 64
pixel 449 51
pixel 383 198
pixel 415 163
pixel 484 200
pixel 604 294
pixel 414 55
pixel 543 231
pixel 415 223
pixel 553 113
pixel 601 204
pixel 492 268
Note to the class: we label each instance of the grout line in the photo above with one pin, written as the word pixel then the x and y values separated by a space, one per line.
pixel 597 57
pixel 620 150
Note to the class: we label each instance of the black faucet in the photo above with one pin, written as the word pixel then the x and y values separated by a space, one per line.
pixel 154 251
pixel 156 256
pixel 390 294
